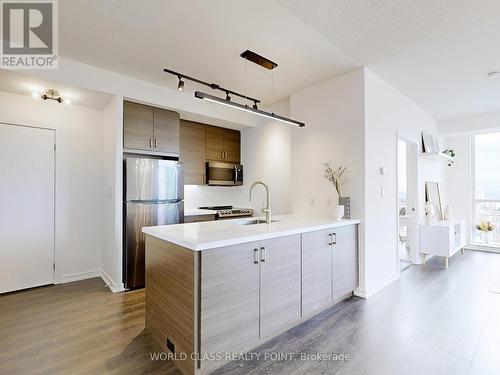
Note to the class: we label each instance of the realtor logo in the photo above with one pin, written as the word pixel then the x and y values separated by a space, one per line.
pixel 29 34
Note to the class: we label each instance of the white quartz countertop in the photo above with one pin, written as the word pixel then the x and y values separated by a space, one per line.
pixel 211 234
pixel 198 211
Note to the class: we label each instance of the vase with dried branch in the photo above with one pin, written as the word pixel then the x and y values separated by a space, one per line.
pixel 338 176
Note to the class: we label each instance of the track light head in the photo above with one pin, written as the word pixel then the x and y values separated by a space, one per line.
pixel 227 96
pixel 255 105
pixel 180 85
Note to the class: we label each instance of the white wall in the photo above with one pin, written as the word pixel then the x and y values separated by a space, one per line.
pixel 112 124
pixel 333 112
pixel 79 179
pixel 266 156
pixel 389 113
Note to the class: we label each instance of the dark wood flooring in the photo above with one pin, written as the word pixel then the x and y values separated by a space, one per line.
pixel 431 321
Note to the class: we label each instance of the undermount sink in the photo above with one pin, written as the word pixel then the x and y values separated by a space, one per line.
pixel 255 221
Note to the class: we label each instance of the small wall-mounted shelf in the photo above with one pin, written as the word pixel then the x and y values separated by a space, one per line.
pixel 436 156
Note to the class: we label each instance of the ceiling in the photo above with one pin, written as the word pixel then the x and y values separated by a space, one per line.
pixel 436 52
pixel 18 83
pixel 199 38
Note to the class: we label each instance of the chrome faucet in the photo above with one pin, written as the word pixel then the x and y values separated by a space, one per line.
pixel 266 210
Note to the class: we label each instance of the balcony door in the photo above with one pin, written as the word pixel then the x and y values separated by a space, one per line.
pixel 486 188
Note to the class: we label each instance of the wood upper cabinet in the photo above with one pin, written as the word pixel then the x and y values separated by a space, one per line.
pixel 137 126
pixel 214 142
pixel 229 300
pixel 345 260
pixel 317 271
pixel 223 144
pixel 150 129
pixel 166 131
pixel 280 265
pixel 192 152
pixel 232 145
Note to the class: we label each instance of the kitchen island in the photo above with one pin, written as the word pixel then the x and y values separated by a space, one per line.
pixel 215 290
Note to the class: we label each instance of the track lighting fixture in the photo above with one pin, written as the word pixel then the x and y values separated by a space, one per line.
pixel 180 85
pixel 228 102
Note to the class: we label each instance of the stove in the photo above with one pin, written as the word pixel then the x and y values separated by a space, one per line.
pixel 229 212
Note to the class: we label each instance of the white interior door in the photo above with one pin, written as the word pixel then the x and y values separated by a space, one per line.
pixel 26 207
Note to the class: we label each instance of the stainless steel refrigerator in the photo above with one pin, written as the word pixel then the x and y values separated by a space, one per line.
pixel 154 195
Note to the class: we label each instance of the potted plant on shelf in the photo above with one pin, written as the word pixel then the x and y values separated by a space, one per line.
pixel 337 176
pixel 451 153
pixel 485 227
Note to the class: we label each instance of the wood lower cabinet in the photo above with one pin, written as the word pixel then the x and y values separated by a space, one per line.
pixel 210 303
pixel 229 301
pixel 345 260
pixel 317 271
pixel 137 126
pixel 279 284
pixel 192 152
pixel 198 218
pixel 237 309
pixel 166 131
pixel 329 267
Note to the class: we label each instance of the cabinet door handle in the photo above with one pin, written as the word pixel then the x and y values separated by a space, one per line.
pixel 156 142
pixel 334 238
pixel 225 154
pixel 150 142
pixel 256 256
pixel 330 241
pixel 263 254
pixel 221 155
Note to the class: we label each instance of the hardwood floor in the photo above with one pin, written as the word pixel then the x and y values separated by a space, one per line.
pixel 76 328
pixel 431 321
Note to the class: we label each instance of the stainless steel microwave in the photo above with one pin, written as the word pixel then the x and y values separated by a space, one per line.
pixel 224 174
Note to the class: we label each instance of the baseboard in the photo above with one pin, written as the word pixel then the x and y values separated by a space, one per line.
pixel 115 288
pixel 485 248
pixel 79 276
pixel 368 292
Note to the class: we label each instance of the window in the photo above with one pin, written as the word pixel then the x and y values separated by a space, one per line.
pixel 486 187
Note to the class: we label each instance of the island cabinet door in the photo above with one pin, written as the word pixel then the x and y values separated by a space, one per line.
pixel 279 284
pixel 345 260
pixel 317 271
pixel 229 302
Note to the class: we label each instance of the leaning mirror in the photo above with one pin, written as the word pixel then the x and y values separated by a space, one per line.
pixel 433 196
